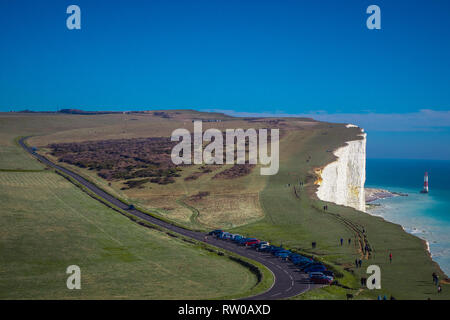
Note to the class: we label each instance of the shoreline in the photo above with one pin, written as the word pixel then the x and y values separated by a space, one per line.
pixel 374 194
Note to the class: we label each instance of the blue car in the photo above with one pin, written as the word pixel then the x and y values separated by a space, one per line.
pixel 282 252
pixel 283 255
pixel 265 249
pixel 237 237
pixel 301 261
pixel 317 268
pixel 297 256
pixel 309 265
pixel 215 232
pixel 274 249
pixel 225 235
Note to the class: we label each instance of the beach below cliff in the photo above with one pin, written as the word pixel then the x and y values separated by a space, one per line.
pixel 373 194
pixel 422 215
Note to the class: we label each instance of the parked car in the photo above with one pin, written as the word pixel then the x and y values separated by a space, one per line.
pixel 254 245
pixel 237 238
pixel 215 232
pixel 302 263
pixel 309 265
pixel 283 255
pixel 260 246
pixel 273 249
pixel 251 241
pixel 316 268
pixel 282 252
pixel 265 248
pixel 225 235
pixel 300 258
pixel 328 273
pixel 242 241
pixel 320 278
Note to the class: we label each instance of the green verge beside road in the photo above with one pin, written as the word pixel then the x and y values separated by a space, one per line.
pixel 295 220
pixel 49 224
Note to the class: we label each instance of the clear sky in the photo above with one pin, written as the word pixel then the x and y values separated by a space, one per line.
pixel 273 57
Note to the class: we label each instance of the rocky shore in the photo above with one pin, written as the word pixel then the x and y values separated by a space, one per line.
pixel 372 194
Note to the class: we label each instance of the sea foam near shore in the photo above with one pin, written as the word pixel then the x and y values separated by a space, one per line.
pixel 415 214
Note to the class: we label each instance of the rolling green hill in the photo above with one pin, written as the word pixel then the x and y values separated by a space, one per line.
pixel 265 207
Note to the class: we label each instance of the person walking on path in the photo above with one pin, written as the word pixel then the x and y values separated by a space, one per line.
pixel 390 257
pixel 356 263
pixel 360 263
pixel 342 241
pixel 439 289
pixel 435 278
pixel 349 241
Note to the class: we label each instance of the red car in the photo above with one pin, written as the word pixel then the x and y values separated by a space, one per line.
pixel 250 242
pixel 320 278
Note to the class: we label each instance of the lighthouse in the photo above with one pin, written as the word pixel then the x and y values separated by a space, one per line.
pixel 425 183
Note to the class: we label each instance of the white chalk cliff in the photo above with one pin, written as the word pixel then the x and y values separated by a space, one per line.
pixel 342 181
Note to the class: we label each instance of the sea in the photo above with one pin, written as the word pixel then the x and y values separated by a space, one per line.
pixel 427 216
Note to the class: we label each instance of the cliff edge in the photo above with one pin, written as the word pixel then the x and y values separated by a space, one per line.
pixel 342 181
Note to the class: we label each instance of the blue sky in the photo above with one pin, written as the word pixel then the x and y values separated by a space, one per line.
pixel 273 57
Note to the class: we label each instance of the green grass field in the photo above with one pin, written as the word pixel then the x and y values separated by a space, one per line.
pixel 49 224
pixel 296 222
pixel 278 215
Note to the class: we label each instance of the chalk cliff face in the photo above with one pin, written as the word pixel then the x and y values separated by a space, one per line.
pixel 342 181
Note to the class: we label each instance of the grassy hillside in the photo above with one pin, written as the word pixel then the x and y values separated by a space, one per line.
pixel 295 222
pixel 49 224
pixel 238 198
pixel 266 207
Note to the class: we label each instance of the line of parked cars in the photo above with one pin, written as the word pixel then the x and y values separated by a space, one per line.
pixel 317 271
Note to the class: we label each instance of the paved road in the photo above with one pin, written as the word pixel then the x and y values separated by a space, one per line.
pixel 289 281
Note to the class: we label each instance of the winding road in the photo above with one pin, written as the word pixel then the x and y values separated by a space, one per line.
pixel 289 281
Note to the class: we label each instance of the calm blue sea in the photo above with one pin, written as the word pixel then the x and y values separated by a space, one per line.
pixel 424 215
